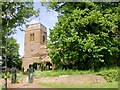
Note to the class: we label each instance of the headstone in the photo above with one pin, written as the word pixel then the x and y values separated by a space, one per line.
pixel 30 74
pixel 14 75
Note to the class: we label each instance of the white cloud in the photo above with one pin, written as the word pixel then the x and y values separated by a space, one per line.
pixel 53 18
pixel 55 13
pixel 36 20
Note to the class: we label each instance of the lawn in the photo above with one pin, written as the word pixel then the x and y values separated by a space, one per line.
pixel 107 85
pixel 74 72
pixel 110 74
pixel 53 73
pixel 1 86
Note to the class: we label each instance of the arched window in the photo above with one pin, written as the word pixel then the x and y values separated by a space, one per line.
pixel 32 37
pixel 43 38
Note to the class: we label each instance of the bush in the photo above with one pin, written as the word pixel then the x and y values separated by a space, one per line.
pixel 110 75
pixel 8 75
pixel 25 73
pixel 2 75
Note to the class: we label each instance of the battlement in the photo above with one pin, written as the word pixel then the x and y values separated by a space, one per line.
pixel 35 26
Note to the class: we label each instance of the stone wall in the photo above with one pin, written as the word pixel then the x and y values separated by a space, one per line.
pixel 38 46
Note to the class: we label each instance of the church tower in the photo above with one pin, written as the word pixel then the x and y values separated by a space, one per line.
pixel 34 44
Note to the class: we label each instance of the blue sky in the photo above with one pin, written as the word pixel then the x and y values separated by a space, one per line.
pixel 46 18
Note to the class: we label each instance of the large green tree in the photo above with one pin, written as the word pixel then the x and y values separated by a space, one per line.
pixel 14 15
pixel 85 34
pixel 13 54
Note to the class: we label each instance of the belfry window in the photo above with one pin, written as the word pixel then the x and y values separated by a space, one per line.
pixel 32 37
pixel 43 38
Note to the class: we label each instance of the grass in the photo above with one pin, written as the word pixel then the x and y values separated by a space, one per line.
pixel 110 74
pixel 1 86
pixel 60 72
pixel 9 75
pixel 73 72
pixel 107 85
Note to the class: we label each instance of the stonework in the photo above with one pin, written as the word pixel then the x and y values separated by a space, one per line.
pixel 35 44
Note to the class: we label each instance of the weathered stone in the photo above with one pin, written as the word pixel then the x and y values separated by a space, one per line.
pixel 35 44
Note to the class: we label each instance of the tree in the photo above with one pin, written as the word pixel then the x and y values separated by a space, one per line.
pixel 18 14
pixel 12 53
pixel 85 34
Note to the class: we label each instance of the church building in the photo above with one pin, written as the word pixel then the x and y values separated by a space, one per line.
pixel 35 45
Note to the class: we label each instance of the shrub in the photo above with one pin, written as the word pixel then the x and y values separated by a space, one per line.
pixel 110 75
pixel 2 75
pixel 8 75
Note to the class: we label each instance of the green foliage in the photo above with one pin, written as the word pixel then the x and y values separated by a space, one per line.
pixel 110 75
pixel 9 75
pixel 14 15
pixel 2 75
pixel 13 54
pixel 1 87
pixel 19 14
pixel 85 35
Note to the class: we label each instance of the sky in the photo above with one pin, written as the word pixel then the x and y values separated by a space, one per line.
pixel 48 19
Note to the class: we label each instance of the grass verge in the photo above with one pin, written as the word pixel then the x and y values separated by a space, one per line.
pixel 60 72
pixel 107 85
pixel 110 74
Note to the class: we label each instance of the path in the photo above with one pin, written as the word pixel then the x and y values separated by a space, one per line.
pixel 82 79
pixel 24 84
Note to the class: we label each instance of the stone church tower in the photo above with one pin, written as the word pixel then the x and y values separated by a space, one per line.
pixel 34 44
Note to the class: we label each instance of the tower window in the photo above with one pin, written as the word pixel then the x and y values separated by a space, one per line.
pixel 43 38
pixel 32 37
